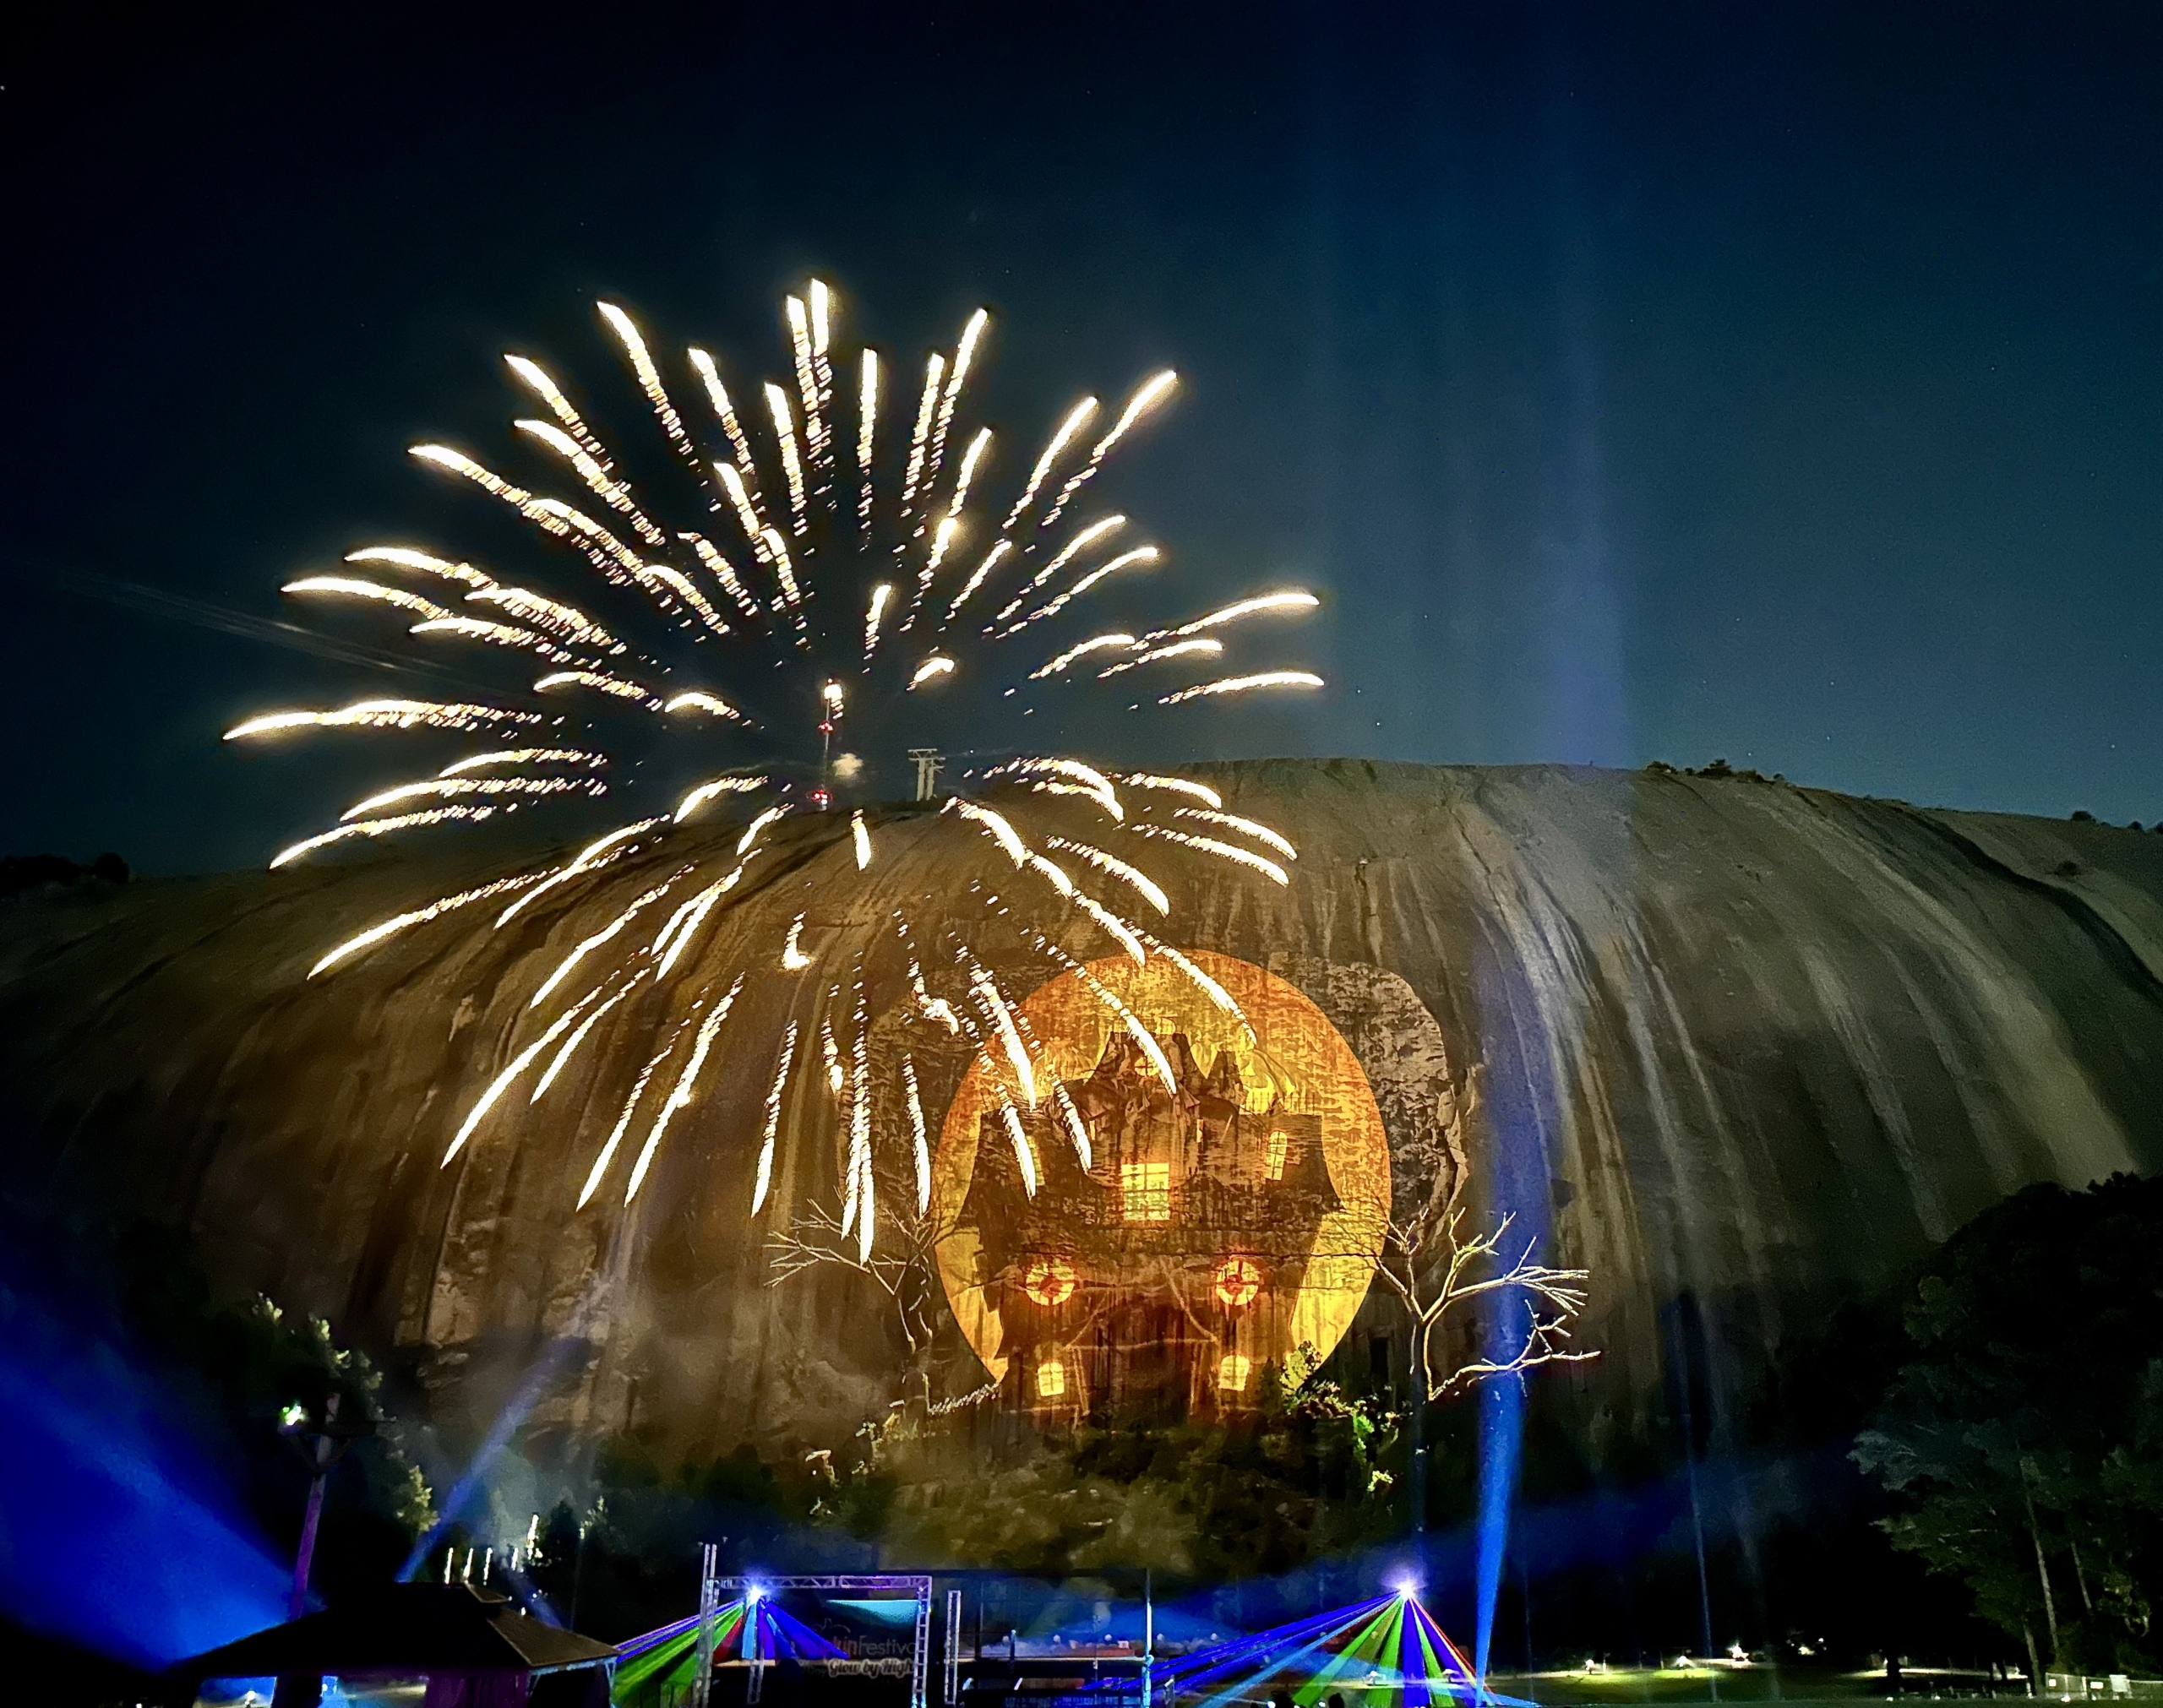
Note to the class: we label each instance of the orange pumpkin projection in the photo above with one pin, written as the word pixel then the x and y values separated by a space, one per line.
pixel 1204 1203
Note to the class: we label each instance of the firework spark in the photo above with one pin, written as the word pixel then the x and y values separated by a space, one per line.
pixel 786 588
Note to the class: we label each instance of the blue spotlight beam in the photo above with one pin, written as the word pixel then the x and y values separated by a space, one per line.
pixel 1373 1651
pixel 1254 1681
pixel 1205 1663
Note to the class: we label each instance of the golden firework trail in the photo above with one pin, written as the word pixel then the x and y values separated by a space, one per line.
pixel 720 616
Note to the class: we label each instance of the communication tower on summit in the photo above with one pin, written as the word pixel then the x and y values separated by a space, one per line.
pixel 928 761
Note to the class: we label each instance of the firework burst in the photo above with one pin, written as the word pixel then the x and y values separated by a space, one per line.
pixel 847 565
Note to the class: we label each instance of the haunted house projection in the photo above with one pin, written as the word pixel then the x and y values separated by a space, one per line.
pixel 1174 1218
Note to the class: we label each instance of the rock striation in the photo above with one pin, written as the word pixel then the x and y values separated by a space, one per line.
pixel 1751 1043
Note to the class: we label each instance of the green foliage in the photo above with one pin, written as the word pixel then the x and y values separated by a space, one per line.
pixel 231 1367
pixel 2026 1432
pixel 1304 1475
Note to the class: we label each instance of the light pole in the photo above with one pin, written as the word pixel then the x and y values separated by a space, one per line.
pixel 322 1445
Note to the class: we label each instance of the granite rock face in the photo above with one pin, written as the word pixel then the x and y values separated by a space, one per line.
pixel 1751 1043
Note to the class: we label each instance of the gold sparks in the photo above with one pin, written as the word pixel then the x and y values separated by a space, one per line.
pixel 1177 785
pixel 579 1036
pixel 686 1083
pixel 1140 554
pixel 724 409
pixel 1291 599
pixel 494 634
pixel 756 827
pixel 503 1081
pixel 537 380
pixel 566 621
pixel 791 462
pixel 388 928
pixel 381 827
pixel 1246 827
pixel 940 541
pixel 919 439
pixel 1223 850
pixel 404 557
pixel 1096 643
pixel 524 756
pixel 681 586
pixel 623 1122
pixel 998 550
pixel 1084 779
pixel 991 1002
pixel 778 581
pixel 634 345
pixel 596 853
pixel 1115 926
pixel 699 700
pixel 1022 1154
pixel 1152 392
pixel 970 459
pixel 724 572
pixel 445 788
pixel 994 824
pixel 1148 887
pixel 351 587
pixel 1245 684
pixel 765 1174
pixel 1080 542
pixel 590 470
pixel 916 1132
pixel 712 790
pixel 1178 649
pixel 880 594
pixel 866 430
pixel 1078 418
pixel 601 682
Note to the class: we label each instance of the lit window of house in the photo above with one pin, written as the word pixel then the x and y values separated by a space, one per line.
pixel 1145 1191
pixel 1051 1380
pixel 1232 1373
pixel 1272 1162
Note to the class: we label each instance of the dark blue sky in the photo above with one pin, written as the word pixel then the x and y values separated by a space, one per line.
pixel 1777 384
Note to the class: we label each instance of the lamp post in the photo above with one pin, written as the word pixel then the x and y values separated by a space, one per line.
pixel 322 1445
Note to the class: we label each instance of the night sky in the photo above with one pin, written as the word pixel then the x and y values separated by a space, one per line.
pixel 1774 383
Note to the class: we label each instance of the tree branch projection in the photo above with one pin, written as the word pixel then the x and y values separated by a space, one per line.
pixel 903 1264
pixel 1429 1258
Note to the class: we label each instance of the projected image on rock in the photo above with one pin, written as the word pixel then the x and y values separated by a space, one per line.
pixel 1193 1198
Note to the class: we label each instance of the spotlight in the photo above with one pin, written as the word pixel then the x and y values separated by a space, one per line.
pixel 754 1593
pixel 1404 1585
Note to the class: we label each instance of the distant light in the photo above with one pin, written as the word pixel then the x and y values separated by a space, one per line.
pixel 291 1416
pixel 1404 1585
pixel 754 1593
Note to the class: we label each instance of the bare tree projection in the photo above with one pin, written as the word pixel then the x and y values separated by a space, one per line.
pixel 903 1265
pixel 1430 1256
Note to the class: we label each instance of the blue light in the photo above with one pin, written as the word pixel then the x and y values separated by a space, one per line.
pixel 754 1593
pixel 119 1537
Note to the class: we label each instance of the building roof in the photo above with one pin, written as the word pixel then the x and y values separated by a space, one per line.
pixel 404 1630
